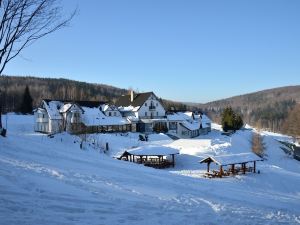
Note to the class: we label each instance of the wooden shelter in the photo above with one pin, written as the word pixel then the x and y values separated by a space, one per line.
pixel 153 156
pixel 231 164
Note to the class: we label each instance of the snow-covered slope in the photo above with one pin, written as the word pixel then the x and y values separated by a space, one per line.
pixel 52 181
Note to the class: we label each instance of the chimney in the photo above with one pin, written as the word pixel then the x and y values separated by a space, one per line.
pixel 131 95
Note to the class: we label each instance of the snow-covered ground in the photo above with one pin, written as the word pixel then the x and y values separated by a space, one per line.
pixel 47 180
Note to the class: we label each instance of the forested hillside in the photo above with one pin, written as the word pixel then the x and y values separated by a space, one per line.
pixel 13 87
pixel 267 109
pixel 40 88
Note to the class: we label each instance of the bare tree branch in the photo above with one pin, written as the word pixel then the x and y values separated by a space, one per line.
pixel 22 22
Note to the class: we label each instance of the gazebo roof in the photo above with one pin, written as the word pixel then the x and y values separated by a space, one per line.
pixel 153 150
pixel 224 160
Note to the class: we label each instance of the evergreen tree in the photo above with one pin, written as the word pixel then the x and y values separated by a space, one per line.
pixel 231 120
pixel 26 106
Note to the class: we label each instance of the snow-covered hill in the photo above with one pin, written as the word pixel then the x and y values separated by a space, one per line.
pixel 52 181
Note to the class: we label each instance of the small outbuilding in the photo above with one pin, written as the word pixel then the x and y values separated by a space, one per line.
pixel 231 164
pixel 151 155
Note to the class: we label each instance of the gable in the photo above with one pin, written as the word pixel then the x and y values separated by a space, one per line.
pixel 138 99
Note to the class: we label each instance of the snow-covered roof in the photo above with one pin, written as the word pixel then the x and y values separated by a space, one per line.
pixel 132 118
pixel 52 108
pixel 205 119
pixel 189 114
pixel 233 159
pixel 186 115
pixel 153 150
pixel 94 117
pixel 129 108
pixel 65 107
pixel 190 126
pixel 175 117
pixel 104 107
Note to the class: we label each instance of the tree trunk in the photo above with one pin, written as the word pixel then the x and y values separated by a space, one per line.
pixel 0 115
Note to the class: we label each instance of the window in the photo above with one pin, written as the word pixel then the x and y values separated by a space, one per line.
pixel 109 114
pixel 156 113
pixel 146 104
pixel 156 104
pixel 43 115
pixel 115 113
pixel 145 113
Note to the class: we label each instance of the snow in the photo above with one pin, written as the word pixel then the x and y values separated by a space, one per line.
pixel 53 109
pixel 47 180
pixel 153 150
pixel 94 117
pixel 65 107
pixel 175 117
pixel 191 126
pixel 235 158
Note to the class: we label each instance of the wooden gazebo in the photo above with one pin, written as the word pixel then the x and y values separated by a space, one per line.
pixel 237 163
pixel 151 155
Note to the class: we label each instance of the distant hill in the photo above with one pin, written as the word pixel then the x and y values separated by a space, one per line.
pixel 266 109
pixel 51 88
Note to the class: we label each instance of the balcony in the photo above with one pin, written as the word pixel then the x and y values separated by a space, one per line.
pixel 42 120
pixel 152 107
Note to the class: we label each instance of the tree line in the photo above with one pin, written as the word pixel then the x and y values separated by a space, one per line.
pixel 13 88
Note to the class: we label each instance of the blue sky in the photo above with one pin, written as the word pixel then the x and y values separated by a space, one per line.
pixel 194 51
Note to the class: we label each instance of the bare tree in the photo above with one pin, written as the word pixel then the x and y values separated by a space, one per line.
pixel 22 22
pixel 258 145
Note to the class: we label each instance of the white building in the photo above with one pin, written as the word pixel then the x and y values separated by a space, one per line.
pixel 142 112
pixel 47 117
pixel 147 108
pixel 188 124
pixel 144 105
pixel 77 117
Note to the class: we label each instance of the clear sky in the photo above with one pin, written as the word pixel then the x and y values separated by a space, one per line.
pixel 185 50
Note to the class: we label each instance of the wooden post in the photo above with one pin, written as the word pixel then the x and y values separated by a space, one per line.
pixel 141 158
pixel 244 168
pixel 221 171
pixel 254 167
pixel 106 147
pixel 173 160
pixel 208 164
pixel 232 169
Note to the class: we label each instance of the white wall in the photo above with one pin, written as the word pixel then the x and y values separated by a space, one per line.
pixel 158 108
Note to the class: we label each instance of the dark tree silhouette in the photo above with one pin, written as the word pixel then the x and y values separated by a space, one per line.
pixel 26 106
pixel 231 120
